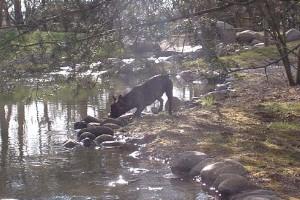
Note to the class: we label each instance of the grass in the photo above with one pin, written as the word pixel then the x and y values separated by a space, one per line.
pixel 282 108
pixel 208 101
pixel 245 58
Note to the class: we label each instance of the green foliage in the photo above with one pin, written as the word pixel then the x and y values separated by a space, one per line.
pixel 208 101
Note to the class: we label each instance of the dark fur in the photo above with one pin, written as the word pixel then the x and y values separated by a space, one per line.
pixel 143 95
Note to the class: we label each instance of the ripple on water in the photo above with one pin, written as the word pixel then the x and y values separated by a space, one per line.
pixel 138 170
pixel 135 154
pixel 119 181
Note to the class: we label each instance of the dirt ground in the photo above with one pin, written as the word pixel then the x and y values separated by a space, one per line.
pixel 258 124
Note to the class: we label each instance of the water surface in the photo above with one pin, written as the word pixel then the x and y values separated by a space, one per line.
pixel 34 164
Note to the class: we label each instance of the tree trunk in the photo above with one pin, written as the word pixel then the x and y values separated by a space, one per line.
pixel 6 13
pixel 18 12
pixel 1 12
pixel 286 63
pixel 266 34
pixel 298 69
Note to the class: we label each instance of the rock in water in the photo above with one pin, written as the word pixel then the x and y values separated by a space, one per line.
pixel 255 195
pixel 80 125
pixel 112 126
pixel 70 143
pixel 230 184
pixel 89 119
pixel 103 138
pixel 210 173
pixel 97 130
pixel 196 170
pixel 93 124
pixel 184 162
pixel 112 144
pixel 87 135
pixel 118 121
pixel 87 142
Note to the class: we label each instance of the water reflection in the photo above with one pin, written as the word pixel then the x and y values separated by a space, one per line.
pixel 34 165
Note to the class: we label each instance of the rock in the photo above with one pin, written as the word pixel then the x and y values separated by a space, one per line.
pixel 87 142
pixel 126 118
pixel 144 46
pixel 231 184
pixel 188 75
pixel 92 124
pixel 70 144
pixel 88 119
pixel 97 130
pixel 80 125
pixel 224 86
pixel 259 45
pixel 182 164
pixel 225 32
pixel 112 144
pixel 118 121
pixel 255 41
pixel 176 104
pixel 216 95
pixel 112 126
pixel 87 135
pixel 196 170
pixel 247 36
pixel 292 34
pixel 103 138
pixel 210 173
pixel 258 194
pixel 142 140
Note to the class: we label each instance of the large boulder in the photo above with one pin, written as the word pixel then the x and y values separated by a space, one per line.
pixel 70 143
pixel 226 32
pixel 188 75
pixel 230 184
pixel 93 124
pixel 103 138
pixel 182 164
pixel 109 144
pixel 96 130
pixel 196 170
pixel 120 122
pixel 87 142
pixel 89 119
pixel 112 126
pixel 210 173
pixel 80 125
pixel 247 36
pixel 86 135
pixel 292 34
pixel 258 194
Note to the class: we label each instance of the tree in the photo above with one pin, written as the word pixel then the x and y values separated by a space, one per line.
pixel 18 12
pixel 276 14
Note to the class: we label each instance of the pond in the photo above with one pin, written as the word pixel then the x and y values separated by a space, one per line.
pixel 34 123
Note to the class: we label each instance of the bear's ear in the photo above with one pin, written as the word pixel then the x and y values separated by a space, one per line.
pixel 115 99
